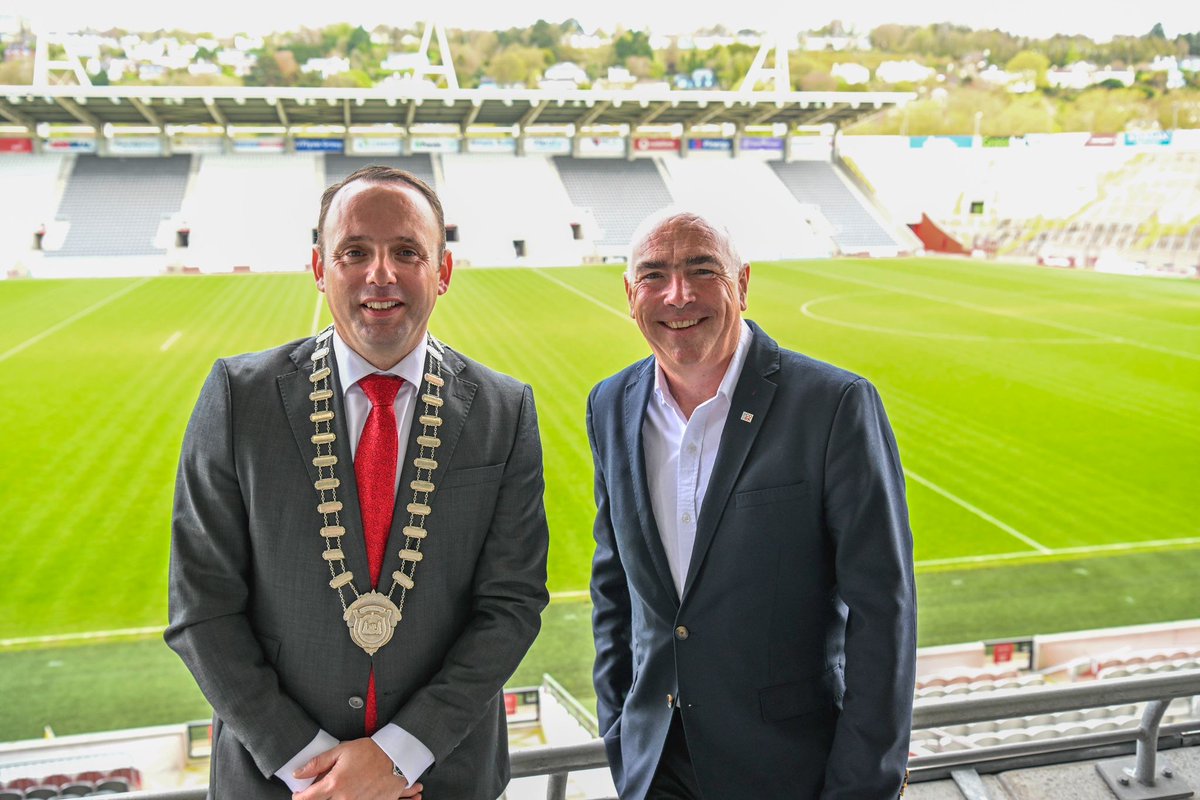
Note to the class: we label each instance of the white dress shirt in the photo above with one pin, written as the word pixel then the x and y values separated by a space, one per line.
pixel 680 454
pixel 406 751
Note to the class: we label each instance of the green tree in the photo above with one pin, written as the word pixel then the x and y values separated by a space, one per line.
pixel 358 41
pixel 1031 64
pixel 632 43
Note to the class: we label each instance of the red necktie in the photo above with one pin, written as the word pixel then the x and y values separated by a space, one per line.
pixel 375 472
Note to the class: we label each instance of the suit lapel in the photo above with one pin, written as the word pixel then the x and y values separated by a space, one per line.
pixel 637 395
pixel 295 387
pixel 458 394
pixel 752 395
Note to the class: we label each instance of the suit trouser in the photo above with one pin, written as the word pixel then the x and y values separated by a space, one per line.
pixel 674 778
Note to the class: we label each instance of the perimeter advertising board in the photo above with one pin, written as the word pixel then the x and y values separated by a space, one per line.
pixel 554 145
pixel 491 144
pixel 210 144
pixel 70 144
pixel 319 144
pixel 375 145
pixel 262 143
pixel 16 145
pixel 654 145
pixel 601 146
pixel 135 146
pixel 434 144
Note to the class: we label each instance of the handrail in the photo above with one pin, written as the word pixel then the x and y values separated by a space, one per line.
pixel 1002 703
pixel 557 761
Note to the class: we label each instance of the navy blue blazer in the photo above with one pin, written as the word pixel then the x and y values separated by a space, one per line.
pixel 791 654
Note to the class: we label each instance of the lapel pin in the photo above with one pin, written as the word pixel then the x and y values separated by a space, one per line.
pixel 747 416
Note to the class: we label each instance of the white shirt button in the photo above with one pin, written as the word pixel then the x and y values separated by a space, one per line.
pixel 686 518
pixel 691 449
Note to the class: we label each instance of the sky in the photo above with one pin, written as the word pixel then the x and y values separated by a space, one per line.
pixel 1098 19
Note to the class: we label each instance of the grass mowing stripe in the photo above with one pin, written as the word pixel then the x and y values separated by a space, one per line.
pixel 988 310
pixel 1182 543
pixel 623 315
pixel 53 329
pixel 1011 531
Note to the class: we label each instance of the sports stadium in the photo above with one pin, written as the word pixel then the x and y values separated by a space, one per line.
pixel 1028 307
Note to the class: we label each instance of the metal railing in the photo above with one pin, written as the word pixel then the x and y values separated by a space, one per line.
pixel 1157 691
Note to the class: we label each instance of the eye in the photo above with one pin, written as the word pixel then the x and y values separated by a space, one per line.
pixel 651 276
pixel 353 252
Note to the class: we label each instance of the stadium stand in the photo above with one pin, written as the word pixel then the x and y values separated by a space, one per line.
pixel 765 219
pixel 90 783
pixel 35 184
pixel 1110 208
pixel 265 203
pixel 116 206
pixel 509 210
pixel 855 228
pixel 338 166
pixel 618 193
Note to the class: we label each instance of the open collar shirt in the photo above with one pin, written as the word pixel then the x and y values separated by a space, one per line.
pixel 680 453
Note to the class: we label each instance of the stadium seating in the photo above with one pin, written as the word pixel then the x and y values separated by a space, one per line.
pixel 338 166
pixel 265 203
pixel 509 210
pixel 618 193
pixel 91 783
pixel 33 183
pixel 765 219
pixel 116 206
pixel 855 228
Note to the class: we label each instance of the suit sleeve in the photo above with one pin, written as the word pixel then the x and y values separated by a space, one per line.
pixel 209 588
pixel 611 609
pixel 510 593
pixel 867 517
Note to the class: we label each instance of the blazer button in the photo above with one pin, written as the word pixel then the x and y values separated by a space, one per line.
pixel 355 702
pixel 681 632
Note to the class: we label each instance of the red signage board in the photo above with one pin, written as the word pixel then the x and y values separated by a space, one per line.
pixel 647 144
pixel 16 145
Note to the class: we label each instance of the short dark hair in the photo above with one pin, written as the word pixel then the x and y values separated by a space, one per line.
pixel 376 173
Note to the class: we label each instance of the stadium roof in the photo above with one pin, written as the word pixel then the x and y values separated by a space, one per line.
pixel 410 105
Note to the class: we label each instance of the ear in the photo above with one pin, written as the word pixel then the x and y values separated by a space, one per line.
pixel 318 268
pixel 445 271
pixel 744 284
pixel 628 293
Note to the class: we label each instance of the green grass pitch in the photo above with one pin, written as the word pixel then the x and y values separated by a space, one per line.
pixel 1049 424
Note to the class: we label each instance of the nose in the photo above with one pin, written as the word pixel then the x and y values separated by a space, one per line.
pixel 380 272
pixel 679 290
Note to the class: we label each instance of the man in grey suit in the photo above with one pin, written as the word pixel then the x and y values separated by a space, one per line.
pixel 359 542
pixel 754 610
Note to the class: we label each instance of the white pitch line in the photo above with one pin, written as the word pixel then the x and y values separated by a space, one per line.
pixel 979 512
pixel 78 315
pixel 317 313
pixel 1119 547
pixel 623 315
pixel 172 339
pixel 74 637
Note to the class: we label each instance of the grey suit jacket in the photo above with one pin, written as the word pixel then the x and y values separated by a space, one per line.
pixel 251 611
pixel 791 654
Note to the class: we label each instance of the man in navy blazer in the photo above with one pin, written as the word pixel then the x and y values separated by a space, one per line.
pixel 754 608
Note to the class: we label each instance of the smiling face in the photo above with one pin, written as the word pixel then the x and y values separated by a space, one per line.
pixel 686 291
pixel 379 267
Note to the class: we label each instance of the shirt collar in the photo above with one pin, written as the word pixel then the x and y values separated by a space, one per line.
pixel 352 367
pixel 725 390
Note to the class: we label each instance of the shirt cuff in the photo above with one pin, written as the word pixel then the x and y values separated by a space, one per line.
pixel 405 751
pixel 320 743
